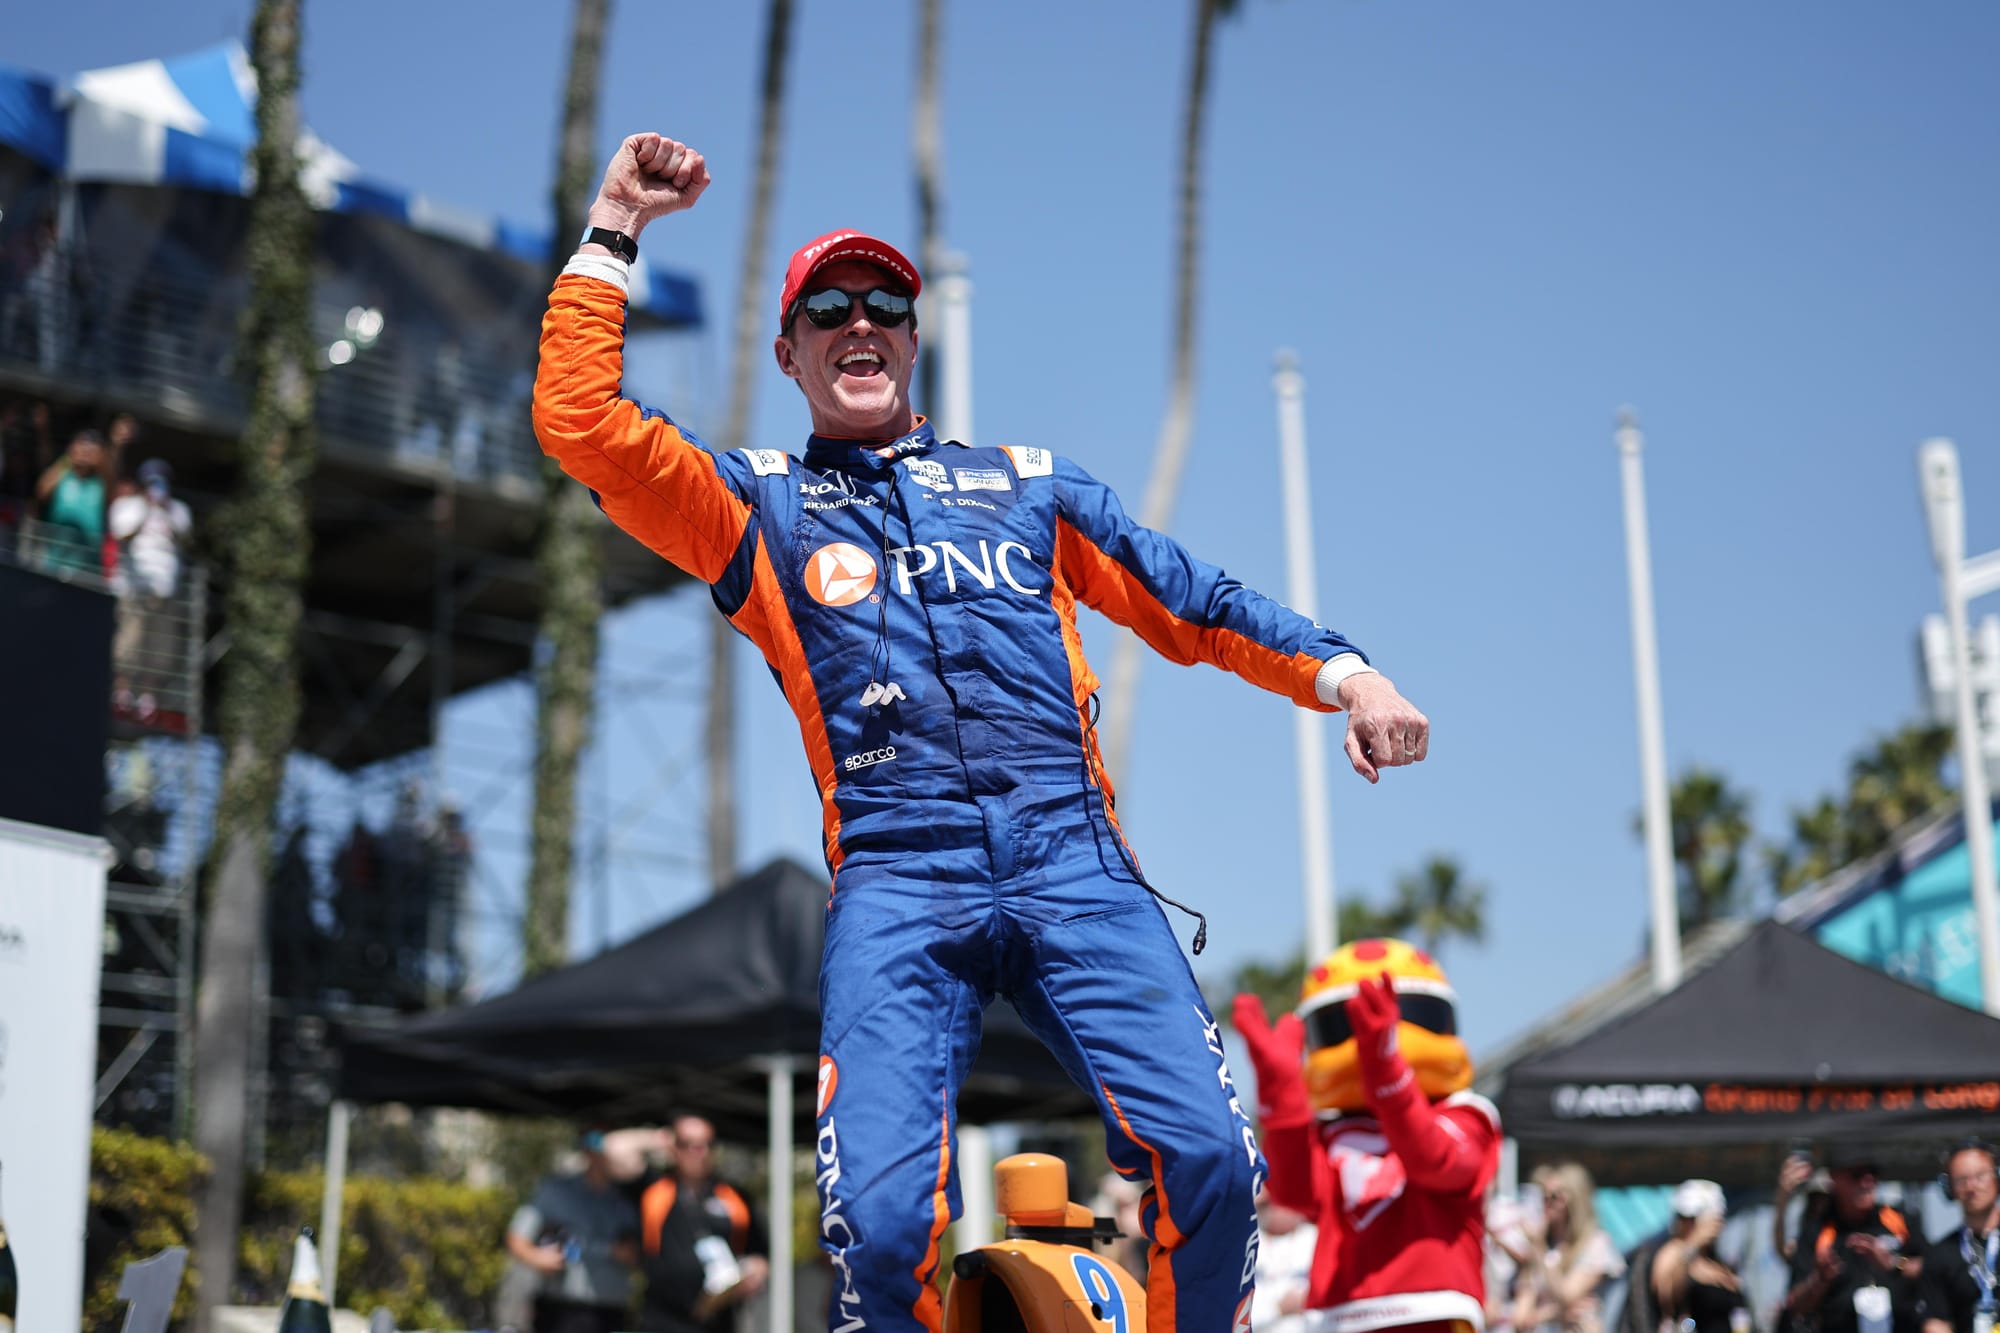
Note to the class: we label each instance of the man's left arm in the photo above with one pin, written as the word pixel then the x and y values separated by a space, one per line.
pixel 1190 611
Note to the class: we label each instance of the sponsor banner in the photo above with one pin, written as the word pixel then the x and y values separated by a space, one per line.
pixel 51 945
pixel 1661 1101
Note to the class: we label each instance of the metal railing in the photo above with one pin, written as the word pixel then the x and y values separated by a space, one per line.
pixel 428 399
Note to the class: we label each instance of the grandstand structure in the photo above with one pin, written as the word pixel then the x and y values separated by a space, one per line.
pixel 123 213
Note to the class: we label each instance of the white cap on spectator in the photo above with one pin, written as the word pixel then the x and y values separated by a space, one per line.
pixel 1698 1198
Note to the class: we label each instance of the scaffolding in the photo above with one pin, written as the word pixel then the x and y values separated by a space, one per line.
pixel 422 588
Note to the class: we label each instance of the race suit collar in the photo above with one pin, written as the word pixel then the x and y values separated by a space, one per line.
pixel 838 451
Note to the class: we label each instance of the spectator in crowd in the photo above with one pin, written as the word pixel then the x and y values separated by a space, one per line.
pixel 1286 1240
pixel 1960 1285
pixel 1119 1199
pixel 72 494
pixel 1506 1251
pixel 1852 1274
pixel 1694 1289
pixel 703 1249
pixel 26 450
pixel 1798 1177
pixel 580 1235
pixel 149 525
pixel 1570 1258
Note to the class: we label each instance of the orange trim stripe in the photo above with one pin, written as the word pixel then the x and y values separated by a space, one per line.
pixel 1167 1236
pixel 768 621
pixel 1111 588
pixel 929 1308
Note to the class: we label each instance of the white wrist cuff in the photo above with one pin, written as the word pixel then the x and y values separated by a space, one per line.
pixel 1327 683
pixel 604 268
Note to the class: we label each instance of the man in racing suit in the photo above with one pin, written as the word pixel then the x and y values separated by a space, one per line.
pixel 916 601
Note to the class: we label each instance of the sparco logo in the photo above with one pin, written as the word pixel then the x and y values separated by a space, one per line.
pixel 1621 1101
pixel 836 1233
pixel 992 567
pixel 867 757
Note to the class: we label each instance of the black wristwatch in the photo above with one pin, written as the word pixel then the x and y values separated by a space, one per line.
pixel 617 242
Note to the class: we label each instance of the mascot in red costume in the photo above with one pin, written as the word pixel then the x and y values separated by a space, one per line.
pixel 1370 1130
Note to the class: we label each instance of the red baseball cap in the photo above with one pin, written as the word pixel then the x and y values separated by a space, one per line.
pixel 835 246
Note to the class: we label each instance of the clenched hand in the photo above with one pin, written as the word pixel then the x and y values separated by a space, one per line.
pixel 1384 730
pixel 648 177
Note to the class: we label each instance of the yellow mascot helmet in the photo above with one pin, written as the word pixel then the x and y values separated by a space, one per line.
pixel 1427 1034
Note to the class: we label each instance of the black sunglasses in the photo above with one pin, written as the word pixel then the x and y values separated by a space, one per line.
pixel 1328 1026
pixel 830 307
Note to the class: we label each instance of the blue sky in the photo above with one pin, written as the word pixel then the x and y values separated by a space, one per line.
pixel 1483 227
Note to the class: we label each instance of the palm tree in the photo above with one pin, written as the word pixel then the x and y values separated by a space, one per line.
pixel 1438 903
pixel 744 360
pixel 1709 824
pixel 1819 846
pixel 1897 782
pixel 927 142
pixel 1177 428
pixel 569 558
pixel 266 546
pixel 1893 784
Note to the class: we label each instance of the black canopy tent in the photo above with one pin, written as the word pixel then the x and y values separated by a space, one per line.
pixel 716 1012
pixel 1779 1040
pixel 689 1015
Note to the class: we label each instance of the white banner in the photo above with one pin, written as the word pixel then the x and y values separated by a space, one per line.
pixel 51 949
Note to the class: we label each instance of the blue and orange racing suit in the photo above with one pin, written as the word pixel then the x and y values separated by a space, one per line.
pixel 916 601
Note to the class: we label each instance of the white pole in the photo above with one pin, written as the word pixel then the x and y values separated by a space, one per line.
pixel 1944 506
pixel 1652 742
pixel 953 290
pixel 974 1227
pixel 778 1191
pixel 339 1115
pixel 1315 829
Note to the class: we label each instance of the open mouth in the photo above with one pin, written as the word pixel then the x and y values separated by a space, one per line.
pixel 861 364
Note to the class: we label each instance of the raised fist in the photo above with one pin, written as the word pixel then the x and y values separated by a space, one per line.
pixel 648 177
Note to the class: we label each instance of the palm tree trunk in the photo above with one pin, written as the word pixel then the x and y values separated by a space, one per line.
pixel 569 560
pixel 927 135
pixel 1177 429
pixel 751 317
pixel 268 545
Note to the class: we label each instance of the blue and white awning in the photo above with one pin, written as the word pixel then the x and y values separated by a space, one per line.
pixel 191 121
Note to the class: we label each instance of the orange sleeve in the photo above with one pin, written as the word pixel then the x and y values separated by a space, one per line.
pixel 652 479
pixel 1187 610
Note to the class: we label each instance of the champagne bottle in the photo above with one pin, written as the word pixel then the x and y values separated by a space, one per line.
pixel 305 1299
pixel 10 1285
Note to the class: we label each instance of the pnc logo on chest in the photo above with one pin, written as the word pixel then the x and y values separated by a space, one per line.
pixel 839 574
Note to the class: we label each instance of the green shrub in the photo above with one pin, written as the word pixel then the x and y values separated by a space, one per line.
pixel 430 1250
pixel 141 1202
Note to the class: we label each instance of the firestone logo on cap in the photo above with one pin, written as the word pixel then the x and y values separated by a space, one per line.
pixel 836 245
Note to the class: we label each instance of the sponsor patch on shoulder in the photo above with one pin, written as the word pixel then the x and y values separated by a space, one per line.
pixel 1031 460
pixel 981 479
pixel 768 462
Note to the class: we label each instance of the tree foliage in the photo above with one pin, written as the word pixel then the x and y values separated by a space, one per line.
pixel 569 559
pixel 266 549
pixel 1432 905
pixel 1897 780
pixel 1708 823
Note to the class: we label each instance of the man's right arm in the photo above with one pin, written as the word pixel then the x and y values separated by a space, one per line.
pixel 651 478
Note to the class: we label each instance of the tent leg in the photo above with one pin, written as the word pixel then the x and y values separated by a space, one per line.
pixel 778 1204
pixel 1507 1181
pixel 974 1227
pixel 339 1115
